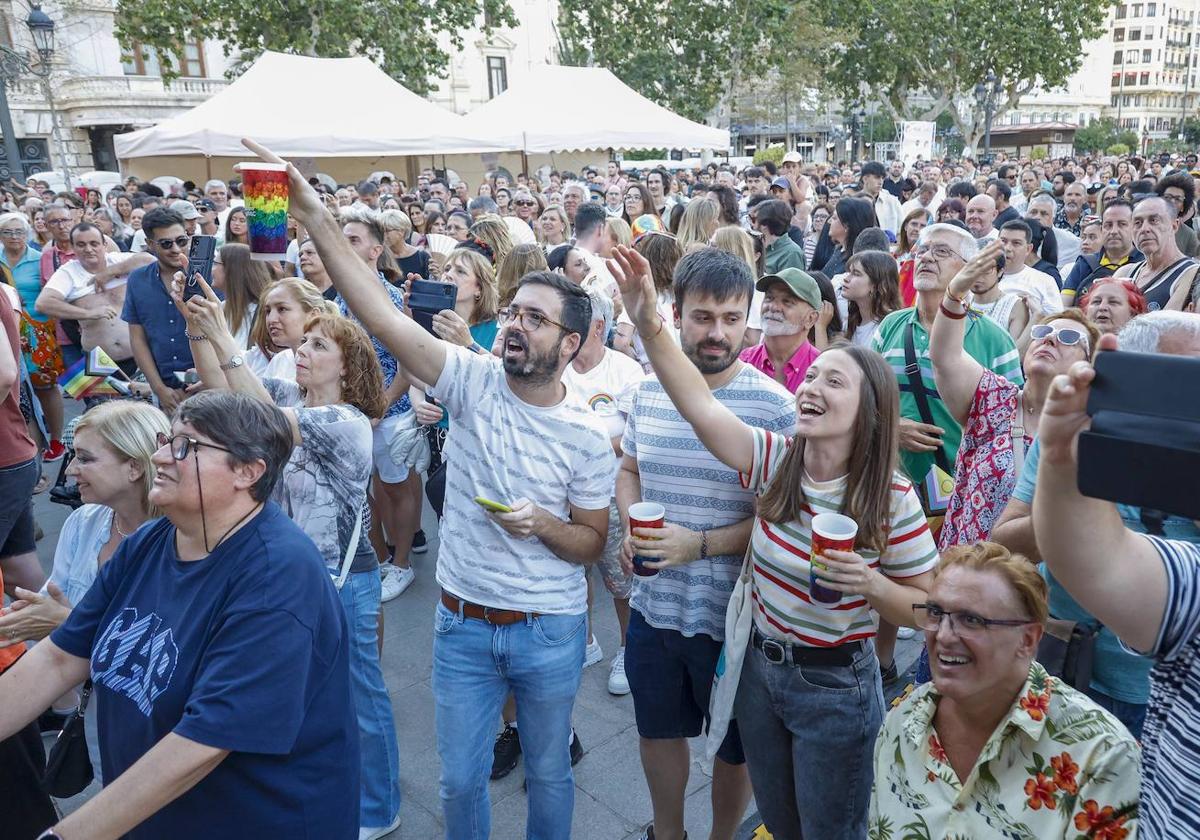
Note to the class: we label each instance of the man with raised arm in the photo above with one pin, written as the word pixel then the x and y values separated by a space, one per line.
pixel 514 597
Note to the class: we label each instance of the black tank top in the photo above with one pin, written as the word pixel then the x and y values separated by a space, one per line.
pixel 1158 293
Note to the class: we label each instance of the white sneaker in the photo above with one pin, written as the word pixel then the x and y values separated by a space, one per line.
pixel 593 654
pixel 369 833
pixel 618 683
pixel 395 581
pixel 906 633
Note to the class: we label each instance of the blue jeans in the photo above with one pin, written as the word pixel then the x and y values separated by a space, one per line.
pixel 475 666
pixel 1133 715
pixel 380 778
pixel 809 736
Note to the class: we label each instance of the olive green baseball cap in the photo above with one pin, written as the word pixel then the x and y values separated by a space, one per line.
pixel 801 284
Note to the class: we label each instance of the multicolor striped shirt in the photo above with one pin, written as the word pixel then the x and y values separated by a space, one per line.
pixel 698 492
pixel 780 555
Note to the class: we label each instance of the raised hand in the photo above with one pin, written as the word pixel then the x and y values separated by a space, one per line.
pixel 204 312
pixel 981 265
pixel 635 280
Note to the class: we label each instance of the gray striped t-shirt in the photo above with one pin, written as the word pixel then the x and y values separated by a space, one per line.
pixel 698 492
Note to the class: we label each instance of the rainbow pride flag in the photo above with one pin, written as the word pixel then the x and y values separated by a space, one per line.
pixel 78 383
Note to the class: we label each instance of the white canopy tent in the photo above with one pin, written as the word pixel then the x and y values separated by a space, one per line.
pixel 344 115
pixel 554 108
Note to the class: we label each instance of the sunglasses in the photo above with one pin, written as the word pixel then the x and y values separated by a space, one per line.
pixel 179 242
pixel 524 203
pixel 1065 336
pixel 182 445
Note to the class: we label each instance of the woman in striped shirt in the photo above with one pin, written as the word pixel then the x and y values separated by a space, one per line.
pixel 810 702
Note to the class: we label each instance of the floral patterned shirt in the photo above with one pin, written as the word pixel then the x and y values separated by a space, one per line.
pixel 1058 766
pixel 985 471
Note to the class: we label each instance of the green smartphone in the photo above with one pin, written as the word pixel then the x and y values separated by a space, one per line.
pixel 493 506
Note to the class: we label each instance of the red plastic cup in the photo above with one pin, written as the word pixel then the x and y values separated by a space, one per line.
pixel 646 515
pixel 830 531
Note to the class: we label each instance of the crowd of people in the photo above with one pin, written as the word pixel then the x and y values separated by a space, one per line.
pixel 746 352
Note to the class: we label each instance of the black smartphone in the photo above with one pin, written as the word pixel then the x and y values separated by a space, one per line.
pixel 1143 447
pixel 426 298
pixel 200 261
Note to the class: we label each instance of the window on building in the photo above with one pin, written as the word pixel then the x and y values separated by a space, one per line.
pixel 1129 79
pixel 1145 80
pixel 1119 34
pixel 144 61
pixel 1135 34
pixel 1121 12
pixel 1146 56
pixel 1151 9
pixel 497 69
pixel 1136 11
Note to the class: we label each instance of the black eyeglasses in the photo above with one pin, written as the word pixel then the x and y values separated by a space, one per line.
pixel 929 617
pixel 179 242
pixel 182 445
pixel 530 321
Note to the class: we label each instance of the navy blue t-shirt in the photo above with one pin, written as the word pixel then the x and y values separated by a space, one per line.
pixel 148 305
pixel 244 650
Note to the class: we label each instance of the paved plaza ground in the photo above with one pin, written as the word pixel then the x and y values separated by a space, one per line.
pixel 612 801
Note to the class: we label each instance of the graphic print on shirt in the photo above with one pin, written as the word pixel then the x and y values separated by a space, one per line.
pixel 135 657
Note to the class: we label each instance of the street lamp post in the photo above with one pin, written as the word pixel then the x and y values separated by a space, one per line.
pixel 854 127
pixel 985 95
pixel 14 65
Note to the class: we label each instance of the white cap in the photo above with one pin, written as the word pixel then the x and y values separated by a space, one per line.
pixel 791 157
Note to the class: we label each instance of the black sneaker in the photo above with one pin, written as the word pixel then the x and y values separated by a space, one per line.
pixel 506 752
pixel 649 834
pixel 419 545
pixel 576 748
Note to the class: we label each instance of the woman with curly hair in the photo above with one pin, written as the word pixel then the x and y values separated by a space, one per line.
pixel 338 390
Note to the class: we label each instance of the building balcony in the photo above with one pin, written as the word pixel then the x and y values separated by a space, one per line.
pixel 92 91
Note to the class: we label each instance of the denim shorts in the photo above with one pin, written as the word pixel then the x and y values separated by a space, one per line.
pixel 16 508
pixel 671 677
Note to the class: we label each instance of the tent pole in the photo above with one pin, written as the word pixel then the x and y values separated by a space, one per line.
pixel 208 167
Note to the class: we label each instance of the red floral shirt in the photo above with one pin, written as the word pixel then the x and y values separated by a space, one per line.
pixel 984 472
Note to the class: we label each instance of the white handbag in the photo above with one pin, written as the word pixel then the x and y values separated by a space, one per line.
pixel 409 445
pixel 739 623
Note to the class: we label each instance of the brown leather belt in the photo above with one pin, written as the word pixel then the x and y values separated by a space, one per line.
pixel 492 615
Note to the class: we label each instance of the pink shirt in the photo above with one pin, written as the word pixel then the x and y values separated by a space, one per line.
pixel 794 370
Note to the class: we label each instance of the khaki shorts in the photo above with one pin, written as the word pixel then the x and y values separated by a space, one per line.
pixel 616 581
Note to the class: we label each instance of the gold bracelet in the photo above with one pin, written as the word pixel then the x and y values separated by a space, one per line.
pixel 961 301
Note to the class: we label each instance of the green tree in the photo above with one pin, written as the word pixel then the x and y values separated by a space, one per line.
pixel 683 54
pixel 1191 132
pixel 1096 135
pixel 921 58
pixel 398 35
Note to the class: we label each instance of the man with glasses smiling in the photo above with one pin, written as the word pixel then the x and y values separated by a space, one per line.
pixel 929 434
pixel 512 614
pixel 993 746
pixel 157 332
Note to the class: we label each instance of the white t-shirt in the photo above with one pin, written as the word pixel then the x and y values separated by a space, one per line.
pixel 73 281
pixel 280 366
pixel 605 389
pixel 1039 285
pixel 506 449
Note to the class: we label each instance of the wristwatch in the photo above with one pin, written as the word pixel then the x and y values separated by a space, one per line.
pixel 235 361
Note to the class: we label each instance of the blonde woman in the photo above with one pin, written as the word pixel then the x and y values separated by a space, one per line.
pixel 396 230
pixel 616 232
pixel 491 231
pixel 700 221
pixel 519 262
pixel 279 324
pixel 553 228
pixel 736 241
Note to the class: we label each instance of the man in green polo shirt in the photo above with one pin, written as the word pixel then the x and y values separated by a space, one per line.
pixel 942 251
pixel 773 218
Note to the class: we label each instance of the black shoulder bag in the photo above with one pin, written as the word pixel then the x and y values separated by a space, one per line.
pixel 1067 650
pixel 69 767
pixel 912 370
